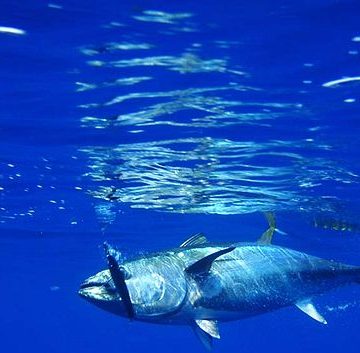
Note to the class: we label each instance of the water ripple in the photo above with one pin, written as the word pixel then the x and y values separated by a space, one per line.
pixel 205 110
pixel 227 153
pixel 209 175
pixel 161 16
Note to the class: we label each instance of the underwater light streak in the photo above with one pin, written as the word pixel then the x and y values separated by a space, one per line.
pixel 12 30
pixel 341 81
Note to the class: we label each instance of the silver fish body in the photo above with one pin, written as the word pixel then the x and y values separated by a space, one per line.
pixel 250 280
pixel 255 279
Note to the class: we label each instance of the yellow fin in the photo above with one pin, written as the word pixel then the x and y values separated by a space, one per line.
pixel 266 237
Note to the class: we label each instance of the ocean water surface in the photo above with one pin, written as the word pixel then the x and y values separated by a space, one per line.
pixel 144 122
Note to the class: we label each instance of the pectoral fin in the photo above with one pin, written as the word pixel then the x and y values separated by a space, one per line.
pixel 204 337
pixel 308 308
pixel 210 327
pixel 206 330
pixel 202 267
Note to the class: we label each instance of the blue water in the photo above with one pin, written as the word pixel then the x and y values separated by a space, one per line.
pixel 143 122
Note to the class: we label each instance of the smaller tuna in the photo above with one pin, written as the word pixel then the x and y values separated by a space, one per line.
pixel 201 284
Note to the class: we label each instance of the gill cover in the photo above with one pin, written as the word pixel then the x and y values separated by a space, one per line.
pixel 149 287
pixel 118 276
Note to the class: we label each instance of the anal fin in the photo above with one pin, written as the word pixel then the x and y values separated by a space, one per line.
pixel 308 308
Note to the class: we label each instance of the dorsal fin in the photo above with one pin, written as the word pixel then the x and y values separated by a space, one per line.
pixel 210 327
pixel 196 239
pixel 202 267
pixel 266 237
pixel 119 276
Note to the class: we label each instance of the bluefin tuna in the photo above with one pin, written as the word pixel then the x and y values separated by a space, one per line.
pixel 201 284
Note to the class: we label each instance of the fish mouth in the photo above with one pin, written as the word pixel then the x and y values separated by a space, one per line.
pixel 89 285
pixel 100 291
pixel 97 292
pixel 98 288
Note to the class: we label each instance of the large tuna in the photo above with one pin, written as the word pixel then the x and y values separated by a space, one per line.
pixel 201 283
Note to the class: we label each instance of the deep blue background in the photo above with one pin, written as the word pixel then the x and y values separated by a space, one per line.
pixel 51 228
